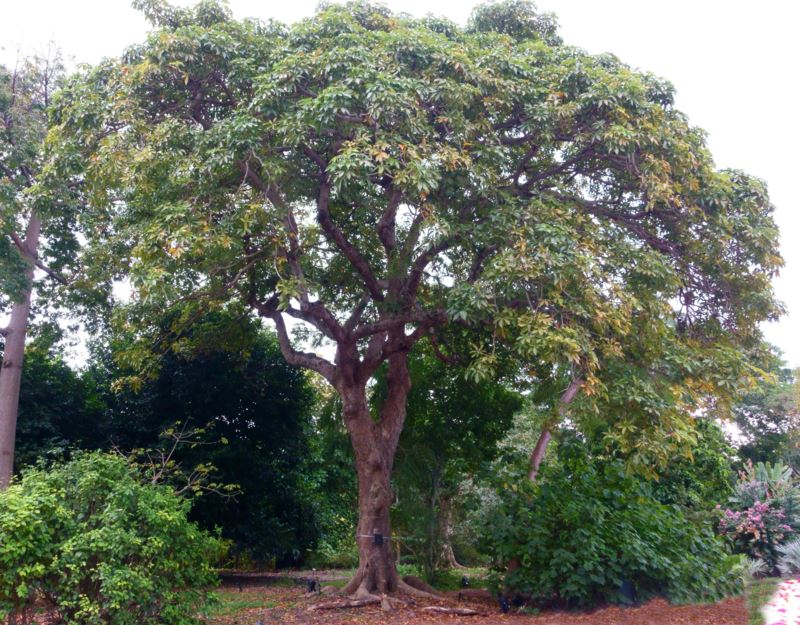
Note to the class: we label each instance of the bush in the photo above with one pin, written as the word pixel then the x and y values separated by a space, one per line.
pixel 91 542
pixel 587 533
pixel 763 512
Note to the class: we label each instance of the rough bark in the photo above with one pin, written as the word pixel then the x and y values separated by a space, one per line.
pixel 374 443
pixel 13 353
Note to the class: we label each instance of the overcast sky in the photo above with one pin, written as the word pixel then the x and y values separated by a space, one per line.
pixel 734 64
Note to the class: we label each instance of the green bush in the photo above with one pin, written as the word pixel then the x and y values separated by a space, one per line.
pixel 91 542
pixel 587 527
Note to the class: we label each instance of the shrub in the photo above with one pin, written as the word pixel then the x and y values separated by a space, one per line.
pixel 763 512
pixel 91 542
pixel 587 531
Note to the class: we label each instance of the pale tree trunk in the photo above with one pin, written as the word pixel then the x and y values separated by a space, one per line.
pixel 538 453
pixel 11 371
pixel 447 522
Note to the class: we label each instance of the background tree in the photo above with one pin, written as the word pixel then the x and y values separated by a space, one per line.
pixel 768 416
pixel 382 179
pixel 60 409
pixel 36 229
pixel 452 429
pixel 227 378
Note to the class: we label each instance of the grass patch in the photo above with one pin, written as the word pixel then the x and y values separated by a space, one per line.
pixel 231 602
pixel 757 594
pixel 451 579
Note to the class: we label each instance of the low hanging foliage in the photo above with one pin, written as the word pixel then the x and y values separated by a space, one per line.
pixel 97 546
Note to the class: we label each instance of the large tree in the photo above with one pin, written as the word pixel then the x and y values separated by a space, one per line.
pixel 379 180
pixel 35 228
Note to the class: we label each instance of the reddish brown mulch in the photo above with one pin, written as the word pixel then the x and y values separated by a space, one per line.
pixel 289 605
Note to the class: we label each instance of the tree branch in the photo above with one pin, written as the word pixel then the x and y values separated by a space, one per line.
pixel 321 318
pixel 294 357
pixel 422 261
pixel 26 253
pixel 387 324
pixel 351 253
pixel 52 273
pixel 386 226
pixel 357 312
pixel 599 210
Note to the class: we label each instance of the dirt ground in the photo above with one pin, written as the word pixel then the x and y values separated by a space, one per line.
pixel 271 605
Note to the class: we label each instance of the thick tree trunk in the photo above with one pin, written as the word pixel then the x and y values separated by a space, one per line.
pixel 13 353
pixel 375 443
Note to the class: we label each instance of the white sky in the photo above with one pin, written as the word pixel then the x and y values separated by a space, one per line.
pixel 734 64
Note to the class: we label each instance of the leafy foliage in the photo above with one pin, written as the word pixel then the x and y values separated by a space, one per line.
pixel 767 415
pixel 764 511
pixel 227 379
pixel 588 526
pixel 453 425
pixel 59 408
pixel 28 186
pixel 701 478
pixel 789 560
pixel 101 547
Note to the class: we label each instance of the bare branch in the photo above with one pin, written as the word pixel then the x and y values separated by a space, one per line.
pixel 357 312
pixel 53 273
pixel 320 317
pixel 629 222
pixel 437 351
pixel 19 243
pixel 387 324
pixel 293 357
pixel 422 261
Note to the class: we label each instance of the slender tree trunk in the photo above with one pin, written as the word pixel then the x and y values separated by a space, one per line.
pixel 432 547
pixel 375 443
pixel 446 520
pixel 11 371
pixel 537 455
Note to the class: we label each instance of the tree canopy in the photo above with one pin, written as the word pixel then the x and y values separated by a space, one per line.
pixel 381 179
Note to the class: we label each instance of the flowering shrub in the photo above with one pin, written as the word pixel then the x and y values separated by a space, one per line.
pixel 763 513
